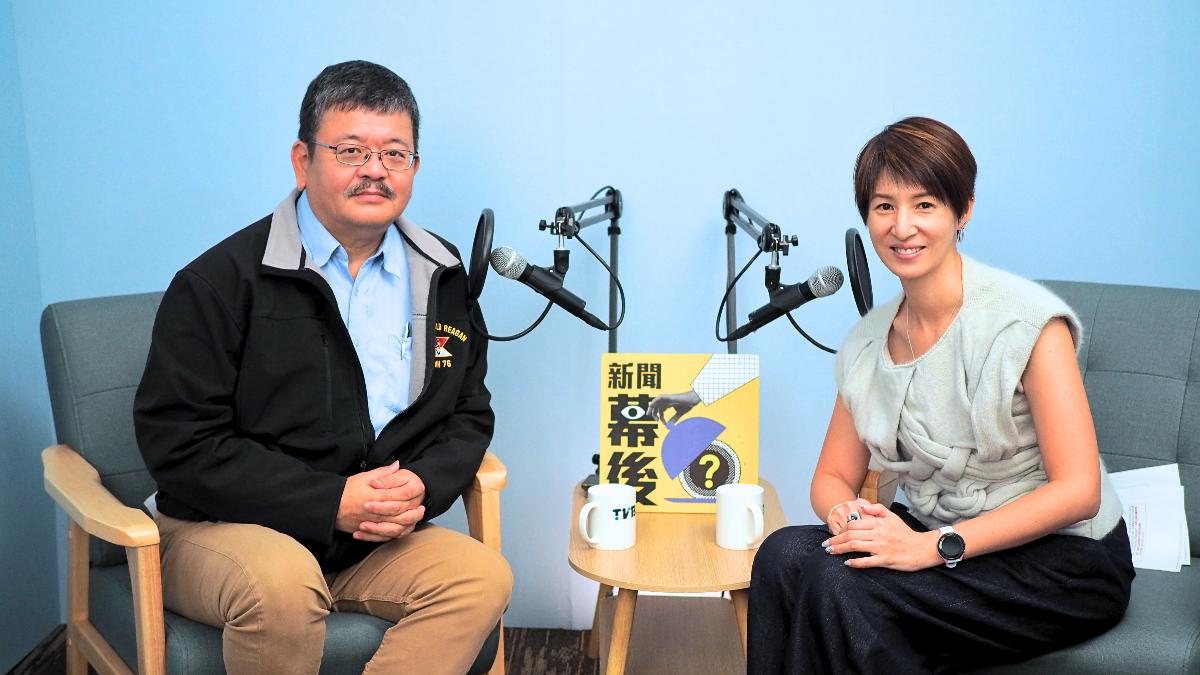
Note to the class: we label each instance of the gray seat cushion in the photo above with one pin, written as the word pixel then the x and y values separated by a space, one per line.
pixel 195 649
pixel 1159 634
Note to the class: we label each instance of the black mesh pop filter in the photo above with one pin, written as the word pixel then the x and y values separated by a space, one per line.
pixel 860 274
pixel 480 250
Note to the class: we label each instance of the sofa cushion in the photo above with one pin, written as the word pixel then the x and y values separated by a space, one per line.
pixel 1160 633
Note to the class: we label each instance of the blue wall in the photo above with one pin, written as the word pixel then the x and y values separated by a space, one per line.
pixel 155 131
pixel 28 587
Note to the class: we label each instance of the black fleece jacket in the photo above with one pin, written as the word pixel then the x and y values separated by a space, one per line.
pixel 253 407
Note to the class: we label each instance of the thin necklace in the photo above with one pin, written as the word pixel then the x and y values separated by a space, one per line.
pixel 908 328
pixel 908 321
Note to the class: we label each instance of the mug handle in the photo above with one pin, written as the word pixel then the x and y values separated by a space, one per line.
pixel 583 522
pixel 757 515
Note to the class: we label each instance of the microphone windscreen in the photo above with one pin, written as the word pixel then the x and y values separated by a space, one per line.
pixel 825 281
pixel 507 262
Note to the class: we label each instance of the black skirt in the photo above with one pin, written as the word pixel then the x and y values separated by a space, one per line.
pixel 809 613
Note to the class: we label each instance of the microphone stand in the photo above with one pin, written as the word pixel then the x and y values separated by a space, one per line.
pixel 565 226
pixel 770 240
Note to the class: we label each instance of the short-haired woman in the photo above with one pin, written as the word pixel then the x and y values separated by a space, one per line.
pixel 967 387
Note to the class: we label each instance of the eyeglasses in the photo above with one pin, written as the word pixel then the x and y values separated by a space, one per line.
pixel 357 155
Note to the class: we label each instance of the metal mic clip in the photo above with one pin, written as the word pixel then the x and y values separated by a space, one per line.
pixel 564 222
pixel 775 242
pixel 564 227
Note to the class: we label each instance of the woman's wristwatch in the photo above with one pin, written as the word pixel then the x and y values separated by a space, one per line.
pixel 951 546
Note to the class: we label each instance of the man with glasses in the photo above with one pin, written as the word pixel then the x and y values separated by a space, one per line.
pixel 313 396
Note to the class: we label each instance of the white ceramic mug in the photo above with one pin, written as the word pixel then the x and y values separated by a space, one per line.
pixel 608 520
pixel 739 516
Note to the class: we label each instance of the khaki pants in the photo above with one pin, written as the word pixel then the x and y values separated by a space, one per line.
pixel 444 590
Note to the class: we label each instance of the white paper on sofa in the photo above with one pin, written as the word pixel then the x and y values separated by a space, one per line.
pixel 1155 516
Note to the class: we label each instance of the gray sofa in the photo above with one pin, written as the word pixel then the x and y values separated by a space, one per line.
pixel 1141 367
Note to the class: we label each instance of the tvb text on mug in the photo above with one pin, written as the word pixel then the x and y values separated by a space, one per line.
pixel 608 521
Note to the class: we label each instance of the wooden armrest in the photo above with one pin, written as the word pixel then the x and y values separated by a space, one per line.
pixel 75 486
pixel 482 500
pixel 492 475
pixel 879 487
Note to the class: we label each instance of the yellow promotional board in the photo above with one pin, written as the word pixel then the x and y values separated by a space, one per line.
pixel 678 426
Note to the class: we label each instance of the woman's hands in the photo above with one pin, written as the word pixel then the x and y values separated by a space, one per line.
pixel 889 540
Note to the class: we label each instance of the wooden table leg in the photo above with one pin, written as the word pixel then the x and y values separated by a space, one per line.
pixel 741 599
pixel 594 639
pixel 622 628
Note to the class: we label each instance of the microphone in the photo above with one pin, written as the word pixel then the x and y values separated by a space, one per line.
pixel 508 263
pixel 823 282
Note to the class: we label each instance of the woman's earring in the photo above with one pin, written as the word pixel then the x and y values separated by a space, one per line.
pixel 959 235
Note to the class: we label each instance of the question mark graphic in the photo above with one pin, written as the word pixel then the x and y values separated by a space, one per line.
pixel 712 462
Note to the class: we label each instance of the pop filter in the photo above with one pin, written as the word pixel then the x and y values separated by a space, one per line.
pixel 860 274
pixel 481 249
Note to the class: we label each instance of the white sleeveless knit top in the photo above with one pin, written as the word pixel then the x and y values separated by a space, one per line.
pixel 955 424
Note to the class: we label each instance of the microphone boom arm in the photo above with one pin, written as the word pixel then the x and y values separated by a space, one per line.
pixel 566 225
pixel 770 239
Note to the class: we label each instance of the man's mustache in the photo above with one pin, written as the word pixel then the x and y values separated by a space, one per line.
pixel 371 186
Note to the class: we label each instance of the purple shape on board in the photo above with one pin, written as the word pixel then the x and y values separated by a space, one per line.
pixel 686 440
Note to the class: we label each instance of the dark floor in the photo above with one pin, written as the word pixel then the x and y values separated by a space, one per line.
pixel 542 651
pixel 529 651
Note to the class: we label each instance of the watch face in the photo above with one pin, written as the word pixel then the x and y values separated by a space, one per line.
pixel 951 546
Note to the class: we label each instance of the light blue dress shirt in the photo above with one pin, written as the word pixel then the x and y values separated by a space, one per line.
pixel 376 308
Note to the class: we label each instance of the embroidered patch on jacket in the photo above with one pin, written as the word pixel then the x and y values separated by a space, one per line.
pixel 442 356
pixel 439 348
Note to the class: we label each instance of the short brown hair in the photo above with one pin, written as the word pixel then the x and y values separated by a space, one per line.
pixel 921 152
pixel 356 85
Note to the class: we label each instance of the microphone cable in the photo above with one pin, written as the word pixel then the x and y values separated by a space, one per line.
pixel 800 330
pixel 724 298
pixel 507 338
pixel 620 288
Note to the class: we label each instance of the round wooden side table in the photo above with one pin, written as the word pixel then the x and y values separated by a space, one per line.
pixel 675 553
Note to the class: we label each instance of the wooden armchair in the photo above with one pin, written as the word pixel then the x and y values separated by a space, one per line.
pixel 95 351
pixel 879 487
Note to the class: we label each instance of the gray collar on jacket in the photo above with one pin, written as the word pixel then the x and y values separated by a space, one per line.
pixel 425 254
